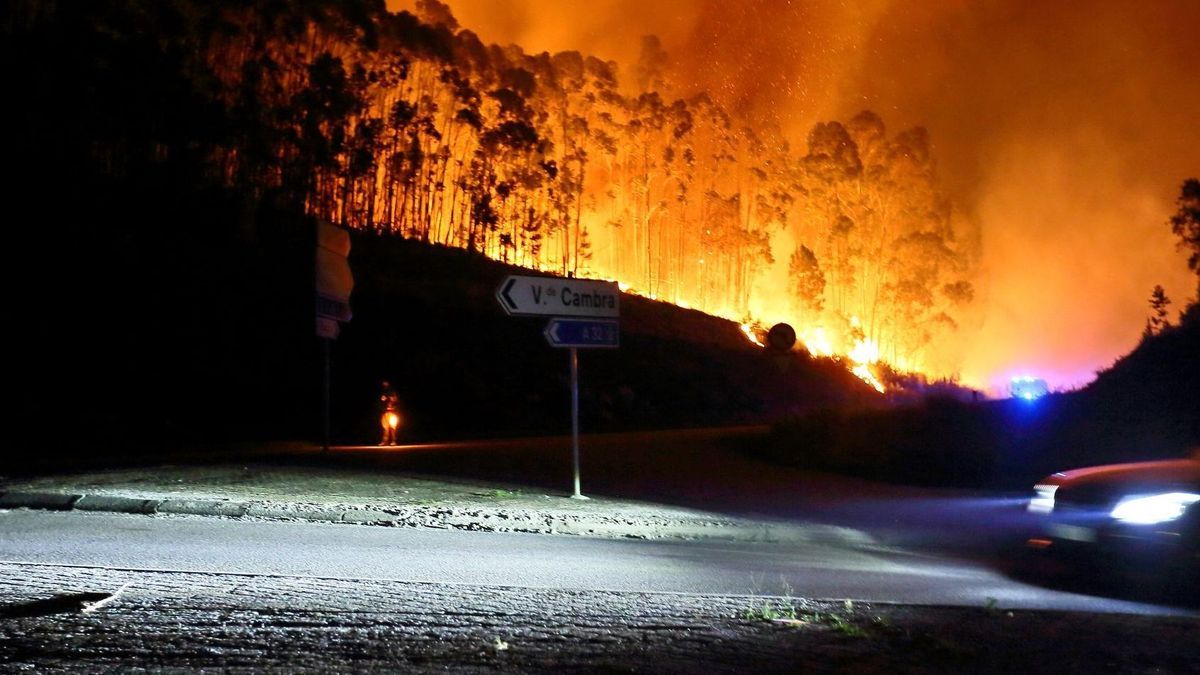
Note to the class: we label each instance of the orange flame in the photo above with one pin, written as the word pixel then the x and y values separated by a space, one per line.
pixel 896 56
pixel 748 330
pixel 816 339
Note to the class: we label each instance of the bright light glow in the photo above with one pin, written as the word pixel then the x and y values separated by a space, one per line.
pixel 817 341
pixel 864 351
pixel 393 420
pixel 864 354
pixel 1153 509
pixel 1028 387
pixel 1043 498
pixel 863 372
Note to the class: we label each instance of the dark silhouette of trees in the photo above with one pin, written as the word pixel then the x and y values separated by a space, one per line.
pixel 1185 223
pixel 1158 311
pixel 408 124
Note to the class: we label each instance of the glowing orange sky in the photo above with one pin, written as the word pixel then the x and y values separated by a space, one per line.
pixel 1065 130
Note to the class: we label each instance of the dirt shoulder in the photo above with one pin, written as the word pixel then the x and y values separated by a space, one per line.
pixel 364 497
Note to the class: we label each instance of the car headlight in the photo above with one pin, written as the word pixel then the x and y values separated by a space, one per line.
pixel 1153 509
pixel 1043 498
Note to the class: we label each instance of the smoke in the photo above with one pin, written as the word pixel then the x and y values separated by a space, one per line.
pixel 1064 131
pixel 1067 128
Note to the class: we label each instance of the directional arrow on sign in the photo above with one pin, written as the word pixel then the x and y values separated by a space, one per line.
pixel 554 296
pixel 588 333
pixel 505 295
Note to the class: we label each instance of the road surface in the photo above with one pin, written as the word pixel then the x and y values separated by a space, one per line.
pixel 93 592
pixel 307 549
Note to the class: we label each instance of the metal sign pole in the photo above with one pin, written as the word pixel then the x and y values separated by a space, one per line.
pixel 334 283
pixel 584 314
pixel 575 420
pixel 325 396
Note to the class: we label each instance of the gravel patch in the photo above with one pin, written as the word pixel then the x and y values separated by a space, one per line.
pixel 361 497
pixel 86 620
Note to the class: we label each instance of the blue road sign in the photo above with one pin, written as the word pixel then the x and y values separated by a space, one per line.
pixel 583 333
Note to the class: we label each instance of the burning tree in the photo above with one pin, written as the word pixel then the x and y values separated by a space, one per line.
pixel 408 124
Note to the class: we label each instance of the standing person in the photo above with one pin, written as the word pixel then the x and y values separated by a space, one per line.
pixel 389 413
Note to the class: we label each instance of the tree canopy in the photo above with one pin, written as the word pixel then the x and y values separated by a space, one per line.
pixel 409 125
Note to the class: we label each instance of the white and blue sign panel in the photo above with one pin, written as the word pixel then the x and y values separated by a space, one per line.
pixel 555 296
pixel 586 333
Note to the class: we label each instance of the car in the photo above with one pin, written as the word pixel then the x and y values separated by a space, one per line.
pixel 1141 520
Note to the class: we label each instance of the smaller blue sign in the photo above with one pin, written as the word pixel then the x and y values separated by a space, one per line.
pixel 595 333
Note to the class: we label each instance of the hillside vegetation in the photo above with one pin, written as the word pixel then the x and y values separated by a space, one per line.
pixel 1146 406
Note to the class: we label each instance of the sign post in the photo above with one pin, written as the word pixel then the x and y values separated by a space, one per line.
pixel 334 282
pixel 575 333
pixel 596 303
pixel 575 422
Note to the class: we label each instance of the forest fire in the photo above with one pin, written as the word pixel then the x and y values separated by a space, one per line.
pixel 862 356
pixel 915 187
pixel 1032 112
pixel 551 162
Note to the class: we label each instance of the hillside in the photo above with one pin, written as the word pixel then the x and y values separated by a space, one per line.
pixel 220 346
pixel 1148 402
pixel 426 318
pixel 1146 406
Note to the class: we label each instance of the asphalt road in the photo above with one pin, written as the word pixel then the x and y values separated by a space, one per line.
pixel 306 549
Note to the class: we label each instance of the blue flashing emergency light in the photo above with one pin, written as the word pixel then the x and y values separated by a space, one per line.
pixel 1028 388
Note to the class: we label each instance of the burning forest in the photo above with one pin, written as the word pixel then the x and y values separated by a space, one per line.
pixel 408 123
